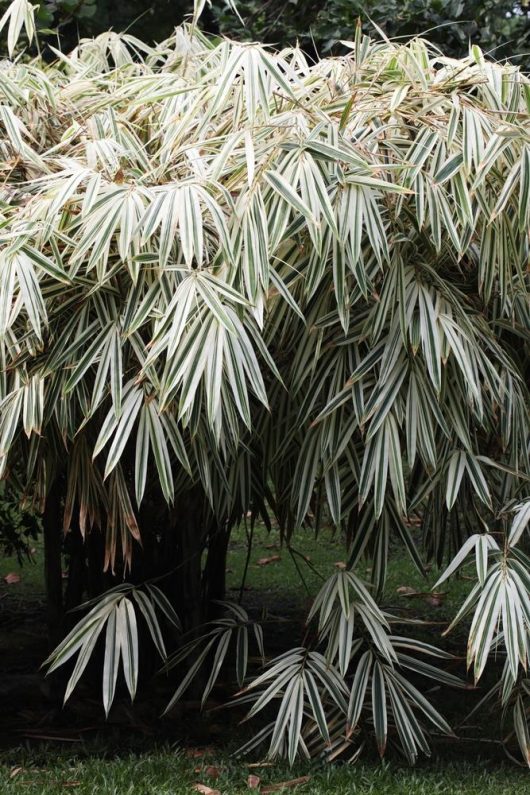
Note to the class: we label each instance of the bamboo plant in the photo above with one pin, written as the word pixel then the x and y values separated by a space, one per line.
pixel 281 288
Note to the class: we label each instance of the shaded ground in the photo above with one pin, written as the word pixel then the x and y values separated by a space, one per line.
pixel 279 587
pixel 22 647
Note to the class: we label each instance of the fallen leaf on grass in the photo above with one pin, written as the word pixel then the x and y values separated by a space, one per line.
pixel 253 782
pixel 205 790
pixel 12 578
pixel 433 598
pixel 52 737
pixel 15 772
pixel 405 590
pixel 266 561
pixel 211 771
pixel 294 782
pixel 195 753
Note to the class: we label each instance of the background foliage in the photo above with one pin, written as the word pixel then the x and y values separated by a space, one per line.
pixel 18 528
pixel 500 27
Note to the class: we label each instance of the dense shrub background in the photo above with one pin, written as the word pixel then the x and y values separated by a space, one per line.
pixel 500 27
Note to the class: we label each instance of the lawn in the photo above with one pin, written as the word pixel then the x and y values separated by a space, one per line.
pixel 293 577
pixel 170 772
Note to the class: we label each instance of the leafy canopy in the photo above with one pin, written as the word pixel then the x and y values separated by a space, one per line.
pixel 261 274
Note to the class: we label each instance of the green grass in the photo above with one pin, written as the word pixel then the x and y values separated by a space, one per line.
pixel 294 581
pixel 290 581
pixel 31 574
pixel 170 772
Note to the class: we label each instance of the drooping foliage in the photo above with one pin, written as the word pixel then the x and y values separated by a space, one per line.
pixel 299 288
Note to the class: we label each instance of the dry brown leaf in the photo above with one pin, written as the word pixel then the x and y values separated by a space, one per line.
pixel 253 781
pixel 195 753
pixel 435 600
pixel 294 782
pixel 210 770
pixel 266 561
pixel 12 578
pixel 205 789
pixel 405 590
pixel 15 771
